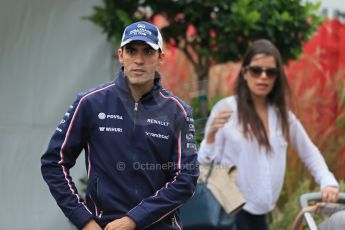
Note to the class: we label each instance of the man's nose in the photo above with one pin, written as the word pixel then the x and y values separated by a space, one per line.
pixel 139 58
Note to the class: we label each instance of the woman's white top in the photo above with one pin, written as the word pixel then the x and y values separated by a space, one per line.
pixel 260 174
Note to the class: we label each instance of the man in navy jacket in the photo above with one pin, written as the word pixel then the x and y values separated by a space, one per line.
pixel 139 146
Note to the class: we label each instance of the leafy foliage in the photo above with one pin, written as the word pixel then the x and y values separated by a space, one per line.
pixel 210 32
pixel 282 218
pixel 216 31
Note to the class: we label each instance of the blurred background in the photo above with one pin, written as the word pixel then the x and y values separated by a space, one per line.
pixel 47 55
pixel 49 52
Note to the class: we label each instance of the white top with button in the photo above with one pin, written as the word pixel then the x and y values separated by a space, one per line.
pixel 260 174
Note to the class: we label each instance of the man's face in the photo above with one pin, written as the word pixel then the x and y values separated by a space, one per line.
pixel 140 61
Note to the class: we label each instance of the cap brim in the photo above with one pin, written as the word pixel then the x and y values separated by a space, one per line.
pixel 143 39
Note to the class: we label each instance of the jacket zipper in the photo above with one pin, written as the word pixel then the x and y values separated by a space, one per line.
pixel 134 137
pixel 136 106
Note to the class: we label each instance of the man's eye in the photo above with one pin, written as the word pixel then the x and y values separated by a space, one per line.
pixel 149 51
pixel 130 51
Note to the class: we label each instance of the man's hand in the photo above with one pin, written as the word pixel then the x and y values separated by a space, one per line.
pixel 92 225
pixel 218 122
pixel 124 223
pixel 330 194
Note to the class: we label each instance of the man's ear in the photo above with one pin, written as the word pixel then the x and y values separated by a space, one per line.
pixel 120 55
pixel 161 58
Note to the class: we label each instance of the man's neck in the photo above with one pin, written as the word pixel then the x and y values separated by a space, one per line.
pixel 138 91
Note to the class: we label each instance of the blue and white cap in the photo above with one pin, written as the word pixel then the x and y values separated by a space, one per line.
pixel 143 31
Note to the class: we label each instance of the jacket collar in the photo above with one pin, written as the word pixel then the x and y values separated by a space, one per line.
pixel 121 82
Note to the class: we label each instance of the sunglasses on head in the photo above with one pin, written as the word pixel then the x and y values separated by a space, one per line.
pixel 256 71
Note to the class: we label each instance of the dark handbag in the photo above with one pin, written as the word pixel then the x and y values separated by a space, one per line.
pixel 204 212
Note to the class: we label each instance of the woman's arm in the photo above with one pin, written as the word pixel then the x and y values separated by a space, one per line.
pixel 313 159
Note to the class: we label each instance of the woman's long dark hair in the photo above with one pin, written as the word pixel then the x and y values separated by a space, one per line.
pixel 248 117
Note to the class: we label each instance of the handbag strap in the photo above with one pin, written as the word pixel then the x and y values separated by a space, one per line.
pixel 209 172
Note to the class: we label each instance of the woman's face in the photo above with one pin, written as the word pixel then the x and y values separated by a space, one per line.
pixel 261 74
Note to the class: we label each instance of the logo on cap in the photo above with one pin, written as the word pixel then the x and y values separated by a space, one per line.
pixel 141 26
pixel 143 31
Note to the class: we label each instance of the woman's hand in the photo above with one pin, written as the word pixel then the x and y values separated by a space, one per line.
pixel 330 194
pixel 218 122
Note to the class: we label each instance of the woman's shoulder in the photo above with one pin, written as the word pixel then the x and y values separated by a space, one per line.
pixel 291 116
pixel 226 103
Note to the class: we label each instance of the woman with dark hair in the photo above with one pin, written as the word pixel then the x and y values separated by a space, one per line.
pixel 252 129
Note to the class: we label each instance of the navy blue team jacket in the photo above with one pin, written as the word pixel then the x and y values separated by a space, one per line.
pixel 140 156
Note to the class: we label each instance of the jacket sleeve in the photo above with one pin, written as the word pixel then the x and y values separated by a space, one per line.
pixel 310 154
pixel 65 146
pixel 177 191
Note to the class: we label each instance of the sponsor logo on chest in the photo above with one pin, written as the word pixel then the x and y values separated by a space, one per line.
pixel 110 129
pixel 158 122
pixel 157 135
pixel 103 116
